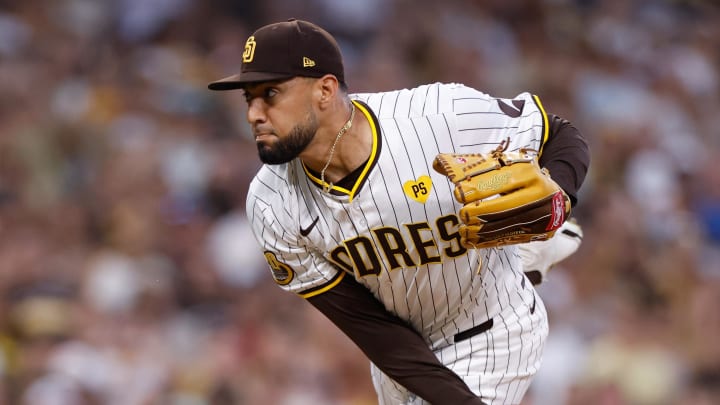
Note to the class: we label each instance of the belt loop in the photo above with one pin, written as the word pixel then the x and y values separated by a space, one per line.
pixel 475 330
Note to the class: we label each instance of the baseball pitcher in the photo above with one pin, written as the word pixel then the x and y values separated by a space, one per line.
pixel 399 215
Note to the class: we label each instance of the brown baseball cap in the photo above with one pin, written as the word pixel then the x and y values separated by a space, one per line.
pixel 284 50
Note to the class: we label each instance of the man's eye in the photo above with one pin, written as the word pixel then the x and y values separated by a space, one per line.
pixel 262 93
pixel 270 93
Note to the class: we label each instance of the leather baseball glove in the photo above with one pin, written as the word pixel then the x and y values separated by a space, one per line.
pixel 507 198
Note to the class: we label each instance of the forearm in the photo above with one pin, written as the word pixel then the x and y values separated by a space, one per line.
pixel 394 347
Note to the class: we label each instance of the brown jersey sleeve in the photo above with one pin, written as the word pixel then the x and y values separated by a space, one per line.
pixel 397 349
pixel 566 155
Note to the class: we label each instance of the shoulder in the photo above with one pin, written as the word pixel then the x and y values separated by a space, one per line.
pixel 269 180
pixel 422 91
pixel 423 100
pixel 467 98
pixel 273 185
pixel 272 205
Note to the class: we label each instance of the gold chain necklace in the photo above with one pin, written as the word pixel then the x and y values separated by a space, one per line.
pixel 327 187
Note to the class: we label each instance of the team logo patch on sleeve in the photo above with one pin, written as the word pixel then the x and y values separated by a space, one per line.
pixel 418 190
pixel 281 272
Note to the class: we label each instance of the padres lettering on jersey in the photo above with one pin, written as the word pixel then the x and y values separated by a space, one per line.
pixel 395 229
pixel 432 245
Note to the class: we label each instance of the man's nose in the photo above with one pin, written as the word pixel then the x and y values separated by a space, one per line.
pixel 256 111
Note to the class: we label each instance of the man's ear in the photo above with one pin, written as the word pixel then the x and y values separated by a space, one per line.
pixel 326 88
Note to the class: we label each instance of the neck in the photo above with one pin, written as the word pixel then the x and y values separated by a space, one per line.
pixel 327 186
pixel 341 151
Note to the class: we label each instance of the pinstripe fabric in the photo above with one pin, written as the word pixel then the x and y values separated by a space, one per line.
pixel 401 242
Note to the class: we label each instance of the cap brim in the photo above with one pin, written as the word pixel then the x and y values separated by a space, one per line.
pixel 239 80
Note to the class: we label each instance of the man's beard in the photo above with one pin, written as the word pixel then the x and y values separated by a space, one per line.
pixel 288 148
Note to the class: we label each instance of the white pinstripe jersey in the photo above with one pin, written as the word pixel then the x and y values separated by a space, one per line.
pixel 395 230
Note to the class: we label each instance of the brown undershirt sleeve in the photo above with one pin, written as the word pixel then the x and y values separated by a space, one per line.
pixel 392 345
pixel 566 156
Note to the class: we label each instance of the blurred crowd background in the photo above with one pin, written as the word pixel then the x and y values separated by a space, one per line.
pixel 128 275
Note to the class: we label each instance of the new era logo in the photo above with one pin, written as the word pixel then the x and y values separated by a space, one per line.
pixel 307 62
